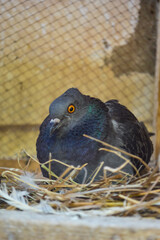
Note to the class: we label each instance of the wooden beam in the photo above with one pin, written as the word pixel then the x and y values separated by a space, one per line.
pixel 157 90
pixel 22 164
pixel 29 225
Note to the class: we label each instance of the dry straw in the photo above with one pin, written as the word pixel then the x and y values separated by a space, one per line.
pixel 119 194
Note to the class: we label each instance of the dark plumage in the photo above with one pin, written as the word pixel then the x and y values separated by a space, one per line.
pixel 73 114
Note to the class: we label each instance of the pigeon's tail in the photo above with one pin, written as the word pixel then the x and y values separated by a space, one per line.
pixel 151 134
pixel 144 127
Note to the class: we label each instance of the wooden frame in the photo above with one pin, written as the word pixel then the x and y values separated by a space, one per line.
pixel 29 225
pixel 157 90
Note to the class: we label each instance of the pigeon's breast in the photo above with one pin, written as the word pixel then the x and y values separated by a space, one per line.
pixel 74 150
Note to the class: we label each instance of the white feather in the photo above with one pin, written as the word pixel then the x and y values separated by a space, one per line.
pixel 28 180
pixel 19 200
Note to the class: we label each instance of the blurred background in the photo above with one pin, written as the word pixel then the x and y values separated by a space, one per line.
pixel 105 48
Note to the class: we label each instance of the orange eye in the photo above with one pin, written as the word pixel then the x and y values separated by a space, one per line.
pixel 71 108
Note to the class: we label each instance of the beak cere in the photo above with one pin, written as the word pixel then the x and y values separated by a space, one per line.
pixel 54 123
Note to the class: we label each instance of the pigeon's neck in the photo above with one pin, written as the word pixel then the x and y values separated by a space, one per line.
pixel 99 119
pixel 95 122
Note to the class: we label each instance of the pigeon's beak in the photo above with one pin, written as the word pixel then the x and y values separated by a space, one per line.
pixel 55 123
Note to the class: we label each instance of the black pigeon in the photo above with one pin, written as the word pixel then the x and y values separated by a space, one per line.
pixel 73 114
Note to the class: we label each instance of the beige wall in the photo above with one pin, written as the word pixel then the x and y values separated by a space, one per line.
pixel 105 48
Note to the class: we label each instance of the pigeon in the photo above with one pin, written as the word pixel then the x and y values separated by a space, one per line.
pixel 71 116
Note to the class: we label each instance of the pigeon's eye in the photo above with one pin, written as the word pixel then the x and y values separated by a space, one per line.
pixel 71 108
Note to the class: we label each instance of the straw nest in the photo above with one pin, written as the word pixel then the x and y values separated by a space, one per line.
pixel 116 195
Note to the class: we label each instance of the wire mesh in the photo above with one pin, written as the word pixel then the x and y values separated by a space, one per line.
pixel 105 48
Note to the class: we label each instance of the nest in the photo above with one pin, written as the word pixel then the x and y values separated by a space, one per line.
pixel 116 195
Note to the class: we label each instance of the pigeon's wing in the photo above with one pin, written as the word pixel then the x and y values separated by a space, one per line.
pixel 130 134
pixel 42 143
pixel 119 112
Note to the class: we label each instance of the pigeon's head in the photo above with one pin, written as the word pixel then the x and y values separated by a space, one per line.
pixel 67 109
pixel 70 109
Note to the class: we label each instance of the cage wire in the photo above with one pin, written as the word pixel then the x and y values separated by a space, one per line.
pixel 105 48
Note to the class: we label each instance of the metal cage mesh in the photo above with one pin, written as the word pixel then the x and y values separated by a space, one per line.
pixel 105 48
